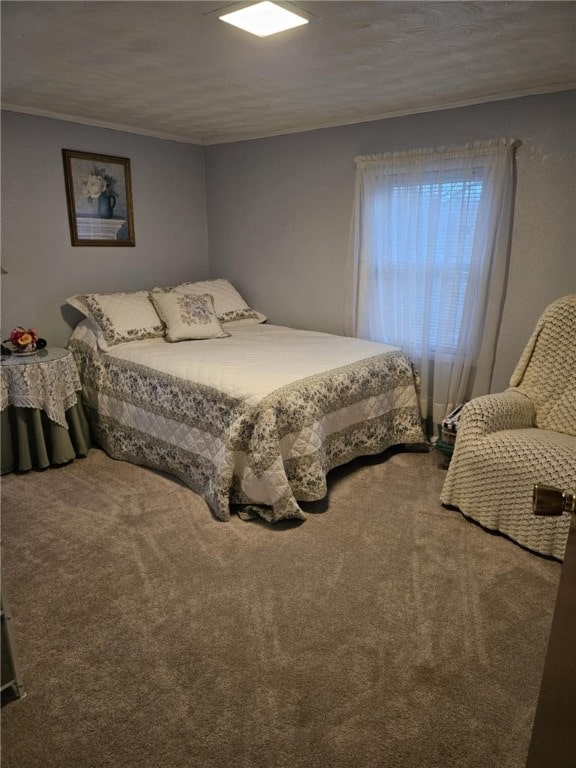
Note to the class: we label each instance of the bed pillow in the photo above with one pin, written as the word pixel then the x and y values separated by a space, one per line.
pixel 229 305
pixel 187 316
pixel 119 317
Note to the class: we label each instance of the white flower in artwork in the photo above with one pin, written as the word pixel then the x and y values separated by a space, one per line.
pixel 97 183
pixel 94 186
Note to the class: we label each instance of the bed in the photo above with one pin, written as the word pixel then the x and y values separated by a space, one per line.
pixel 250 415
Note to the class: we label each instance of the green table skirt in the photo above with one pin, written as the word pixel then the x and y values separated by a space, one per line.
pixel 31 441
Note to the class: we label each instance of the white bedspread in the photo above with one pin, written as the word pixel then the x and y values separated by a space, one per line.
pixel 253 361
pixel 256 418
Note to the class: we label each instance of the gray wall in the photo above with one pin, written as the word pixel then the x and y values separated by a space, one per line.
pixel 43 268
pixel 279 211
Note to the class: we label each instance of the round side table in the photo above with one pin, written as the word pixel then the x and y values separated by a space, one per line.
pixel 43 423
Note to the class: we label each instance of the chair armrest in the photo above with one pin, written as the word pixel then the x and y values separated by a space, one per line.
pixel 492 413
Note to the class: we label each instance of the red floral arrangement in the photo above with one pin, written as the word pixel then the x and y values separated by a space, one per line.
pixel 24 338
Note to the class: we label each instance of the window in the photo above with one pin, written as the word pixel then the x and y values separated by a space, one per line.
pixel 430 250
pixel 433 232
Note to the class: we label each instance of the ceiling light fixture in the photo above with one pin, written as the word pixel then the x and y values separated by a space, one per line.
pixel 263 19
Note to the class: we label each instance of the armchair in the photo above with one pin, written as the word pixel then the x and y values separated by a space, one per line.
pixel 511 440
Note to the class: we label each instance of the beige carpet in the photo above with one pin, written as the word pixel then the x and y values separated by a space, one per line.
pixel 384 632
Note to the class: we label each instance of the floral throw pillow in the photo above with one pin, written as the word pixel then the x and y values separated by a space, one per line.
pixel 119 317
pixel 229 304
pixel 187 316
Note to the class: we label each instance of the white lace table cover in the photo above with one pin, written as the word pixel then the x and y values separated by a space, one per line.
pixel 47 380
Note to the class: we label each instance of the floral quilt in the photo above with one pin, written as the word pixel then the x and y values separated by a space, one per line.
pixel 257 419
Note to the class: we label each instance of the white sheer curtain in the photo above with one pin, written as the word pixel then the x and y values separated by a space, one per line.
pixel 429 259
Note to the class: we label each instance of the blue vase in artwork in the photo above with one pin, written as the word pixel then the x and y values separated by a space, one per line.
pixel 106 205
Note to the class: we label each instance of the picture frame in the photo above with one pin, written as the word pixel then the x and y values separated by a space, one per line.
pixel 99 197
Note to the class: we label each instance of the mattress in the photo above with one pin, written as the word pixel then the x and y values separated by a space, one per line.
pixel 254 420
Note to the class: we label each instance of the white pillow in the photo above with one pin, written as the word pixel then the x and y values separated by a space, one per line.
pixel 120 317
pixel 187 316
pixel 229 305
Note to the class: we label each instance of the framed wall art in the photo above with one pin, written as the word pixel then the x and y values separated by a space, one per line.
pixel 99 194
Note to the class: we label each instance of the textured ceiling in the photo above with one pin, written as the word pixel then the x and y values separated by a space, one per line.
pixel 173 70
